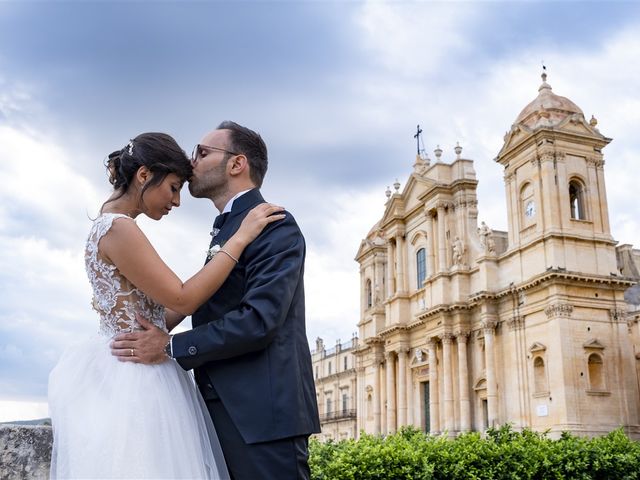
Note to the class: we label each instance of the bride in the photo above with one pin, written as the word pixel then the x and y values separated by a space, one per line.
pixel 115 419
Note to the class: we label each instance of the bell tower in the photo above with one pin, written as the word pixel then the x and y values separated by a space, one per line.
pixel 554 182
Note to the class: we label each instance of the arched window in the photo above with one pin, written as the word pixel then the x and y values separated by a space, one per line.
pixel 576 200
pixel 369 294
pixel 596 372
pixel 540 375
pixel 527 203
pixel 421 267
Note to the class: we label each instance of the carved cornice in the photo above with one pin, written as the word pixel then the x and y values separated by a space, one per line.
pixel 402 349
pixel 537 347
pixel 432 342
pixel 618 315
pixel 516 322
pixel 596 162
pixel 462 335
pixel 489 325
pixel 559 310
pixel 442 204
pixel 447 338
pixel 465 203
pixel 593 344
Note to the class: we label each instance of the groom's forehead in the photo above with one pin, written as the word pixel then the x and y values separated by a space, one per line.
pixel 218 136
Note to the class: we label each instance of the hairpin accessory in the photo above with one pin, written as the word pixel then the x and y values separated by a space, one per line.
pixel 130 147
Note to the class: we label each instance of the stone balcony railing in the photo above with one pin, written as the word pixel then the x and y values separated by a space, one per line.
pixel 25 452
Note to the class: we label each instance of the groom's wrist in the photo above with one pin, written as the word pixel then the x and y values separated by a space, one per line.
pixel 168 348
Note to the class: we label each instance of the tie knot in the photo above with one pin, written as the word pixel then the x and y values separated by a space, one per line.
pixel 220 219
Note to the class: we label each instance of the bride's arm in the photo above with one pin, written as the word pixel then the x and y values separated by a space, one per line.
pixel 172 318
pixel 131 252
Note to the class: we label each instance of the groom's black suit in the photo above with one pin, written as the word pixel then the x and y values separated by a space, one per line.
pixel 250 353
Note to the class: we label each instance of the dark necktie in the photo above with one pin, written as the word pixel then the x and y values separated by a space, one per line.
pixel 218 222
pixel 220 219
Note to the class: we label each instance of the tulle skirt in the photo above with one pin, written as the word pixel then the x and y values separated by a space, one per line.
pixel 116 419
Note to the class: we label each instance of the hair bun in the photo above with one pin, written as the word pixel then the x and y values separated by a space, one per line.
pixel 113 166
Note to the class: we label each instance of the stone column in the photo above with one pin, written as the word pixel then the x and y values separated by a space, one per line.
pixel 463 373
pixel 410 393
pixel 401 280
pixel 434 411
pixel 360 400
pixel 492 387
pixel 391 392
pixel 391 284
pixel 442 243
pixel 377 397
pixel 378 293
pixel 449 424
pixel 402 385
pixel 431 245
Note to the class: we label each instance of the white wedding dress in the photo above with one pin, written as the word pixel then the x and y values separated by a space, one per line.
pixel 115 419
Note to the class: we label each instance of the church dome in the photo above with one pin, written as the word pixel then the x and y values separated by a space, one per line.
pixel 547 109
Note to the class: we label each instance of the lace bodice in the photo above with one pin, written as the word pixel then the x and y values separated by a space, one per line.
pixel 115 298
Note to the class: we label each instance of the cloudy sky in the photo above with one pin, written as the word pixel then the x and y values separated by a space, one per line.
pixel 335 88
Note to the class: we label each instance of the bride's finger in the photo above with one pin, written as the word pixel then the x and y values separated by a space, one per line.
pixel 273 218
pixel 121 344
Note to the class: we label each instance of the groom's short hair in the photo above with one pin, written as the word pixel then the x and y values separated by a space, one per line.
pixel 250 144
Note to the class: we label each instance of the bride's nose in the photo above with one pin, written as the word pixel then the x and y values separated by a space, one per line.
pixel 176 199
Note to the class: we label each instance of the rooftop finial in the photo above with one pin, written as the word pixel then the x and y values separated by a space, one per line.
pixel 438 153
pixel 544 85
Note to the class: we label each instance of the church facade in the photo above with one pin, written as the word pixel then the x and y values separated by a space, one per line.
pixel 463 328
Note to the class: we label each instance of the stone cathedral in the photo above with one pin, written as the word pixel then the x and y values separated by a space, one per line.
pixel 463 327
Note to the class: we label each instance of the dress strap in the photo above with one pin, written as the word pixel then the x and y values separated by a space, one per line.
pixel 103 224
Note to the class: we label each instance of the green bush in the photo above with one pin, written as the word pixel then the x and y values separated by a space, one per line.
pixel 502 454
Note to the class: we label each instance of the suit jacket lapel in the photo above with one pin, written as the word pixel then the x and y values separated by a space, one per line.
pixel 246 202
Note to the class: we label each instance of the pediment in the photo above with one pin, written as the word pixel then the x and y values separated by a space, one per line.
pixel 594 344
pixel 577 124
pixel 400 203
pixel 481 384
pixel 417 236
pixel 514 136
pixel 537 347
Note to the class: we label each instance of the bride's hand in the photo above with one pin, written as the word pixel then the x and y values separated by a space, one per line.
pixel 257 219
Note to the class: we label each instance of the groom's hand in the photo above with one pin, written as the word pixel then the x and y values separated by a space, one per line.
pixel 145 346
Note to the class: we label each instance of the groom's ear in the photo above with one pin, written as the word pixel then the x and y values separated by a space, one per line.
pixel 238 164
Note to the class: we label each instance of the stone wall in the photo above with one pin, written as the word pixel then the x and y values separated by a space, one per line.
pixel 25 452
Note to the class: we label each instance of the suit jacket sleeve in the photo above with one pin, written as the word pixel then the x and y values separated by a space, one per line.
pixel 274 265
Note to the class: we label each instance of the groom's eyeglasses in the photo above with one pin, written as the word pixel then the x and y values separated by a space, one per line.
pixel 198 151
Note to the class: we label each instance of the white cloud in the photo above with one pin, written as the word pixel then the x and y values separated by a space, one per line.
pixel 412 39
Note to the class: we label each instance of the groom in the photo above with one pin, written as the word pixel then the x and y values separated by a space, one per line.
pixel 248 346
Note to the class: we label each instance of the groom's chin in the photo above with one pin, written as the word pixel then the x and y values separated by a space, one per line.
pixel 193 189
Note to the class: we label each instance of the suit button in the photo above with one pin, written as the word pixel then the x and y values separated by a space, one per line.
pixel 192 350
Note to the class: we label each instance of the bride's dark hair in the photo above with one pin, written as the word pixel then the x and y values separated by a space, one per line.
pixel 159 152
